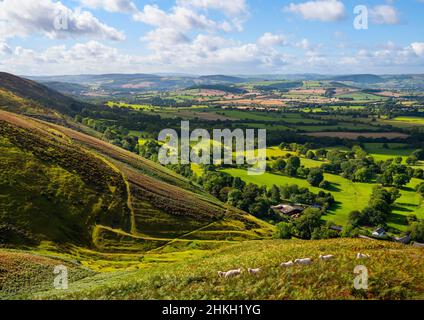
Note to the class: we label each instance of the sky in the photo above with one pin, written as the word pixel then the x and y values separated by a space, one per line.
pixel 238 37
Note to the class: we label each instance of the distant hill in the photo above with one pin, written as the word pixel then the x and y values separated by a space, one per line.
pixel 67 88
pixel 279 85
pixel 360 78
pixel 221 79
pixel 219 87
pixel 31 94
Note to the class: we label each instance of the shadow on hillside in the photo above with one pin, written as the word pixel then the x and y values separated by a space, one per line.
pixel 402 209
pixel 396 218
pixel 334 207
pixel 334 187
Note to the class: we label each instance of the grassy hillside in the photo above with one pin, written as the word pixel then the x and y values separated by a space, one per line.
pixel 395 272
pixel 63 186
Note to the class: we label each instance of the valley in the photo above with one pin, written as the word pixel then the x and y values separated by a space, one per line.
pixel 81 186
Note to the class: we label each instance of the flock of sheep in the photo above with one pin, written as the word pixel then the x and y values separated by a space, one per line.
pixel 304 261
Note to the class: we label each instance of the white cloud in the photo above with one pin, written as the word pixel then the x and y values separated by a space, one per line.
pixel 418 48
pixel 384 14
pixel 52 19
pixel 179 18
pixel 303 44
pixel 163 38
pixel 125 6
pixel 320 10
pixel 229 7
pixel 5 49
pixel 269 40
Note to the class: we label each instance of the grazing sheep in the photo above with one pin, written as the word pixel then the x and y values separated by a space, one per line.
pixel 287 264
pixel 229 274
pixel 326 258
pixel 254 271
pixel 304 261
pixel 362 256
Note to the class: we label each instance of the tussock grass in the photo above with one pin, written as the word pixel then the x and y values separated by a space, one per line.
pixel 395 272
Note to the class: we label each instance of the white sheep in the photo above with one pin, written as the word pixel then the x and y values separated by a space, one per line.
pixel 254 271
pixel 326 258
pixel 362 256
pixel 287 264
pixel 229 274
pixel 304 261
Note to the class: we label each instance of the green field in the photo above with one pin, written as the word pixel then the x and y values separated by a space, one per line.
pixel 361 96
pixel 349 195
pixel 394 150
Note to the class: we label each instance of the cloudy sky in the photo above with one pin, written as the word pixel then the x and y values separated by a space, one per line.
pixel 49 37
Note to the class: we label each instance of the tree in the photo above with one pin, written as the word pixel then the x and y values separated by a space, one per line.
pixel 279 165
pixel 399 180
pixel 419 154
pixel 321 153
pixel 315 177
pixel 386 178
pixel 284 146
pixel 223 194
pixel 238 183
pixel 363 175
pixel 234 197
pixel 284 231
pixel 311 155
pixel 417 231
pixel 293 163
pixel 307 222
pixel 325 185
pixel 274 195
pixel 420 189
pixel 412 160
pixel 350 231
pixel 356 218
pixel 259 208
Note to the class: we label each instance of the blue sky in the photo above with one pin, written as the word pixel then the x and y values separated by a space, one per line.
pixel 42 37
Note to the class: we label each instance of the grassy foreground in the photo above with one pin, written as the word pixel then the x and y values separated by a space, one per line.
pixel 395 272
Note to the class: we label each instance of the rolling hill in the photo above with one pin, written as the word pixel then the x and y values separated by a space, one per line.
pixel 34 95
pixel 64 186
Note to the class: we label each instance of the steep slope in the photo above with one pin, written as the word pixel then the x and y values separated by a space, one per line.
pixel 61 185
pixel 37 94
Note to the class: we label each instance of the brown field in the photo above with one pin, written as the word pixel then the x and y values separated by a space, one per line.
pixel 319 91
pixel 356 135
pixel 268 102
pixel 138 85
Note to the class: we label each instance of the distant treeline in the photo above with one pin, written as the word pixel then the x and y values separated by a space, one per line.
pixel 219 87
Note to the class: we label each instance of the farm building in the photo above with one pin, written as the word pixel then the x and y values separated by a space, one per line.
pixel 289 210
pixel 336 228
pixel 404 240
pixel 380 232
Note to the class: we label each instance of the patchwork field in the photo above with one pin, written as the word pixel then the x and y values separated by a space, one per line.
pixel 356 135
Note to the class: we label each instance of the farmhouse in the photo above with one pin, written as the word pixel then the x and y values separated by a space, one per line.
pixel 289 210
pixel 380 232
pixel 404 240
